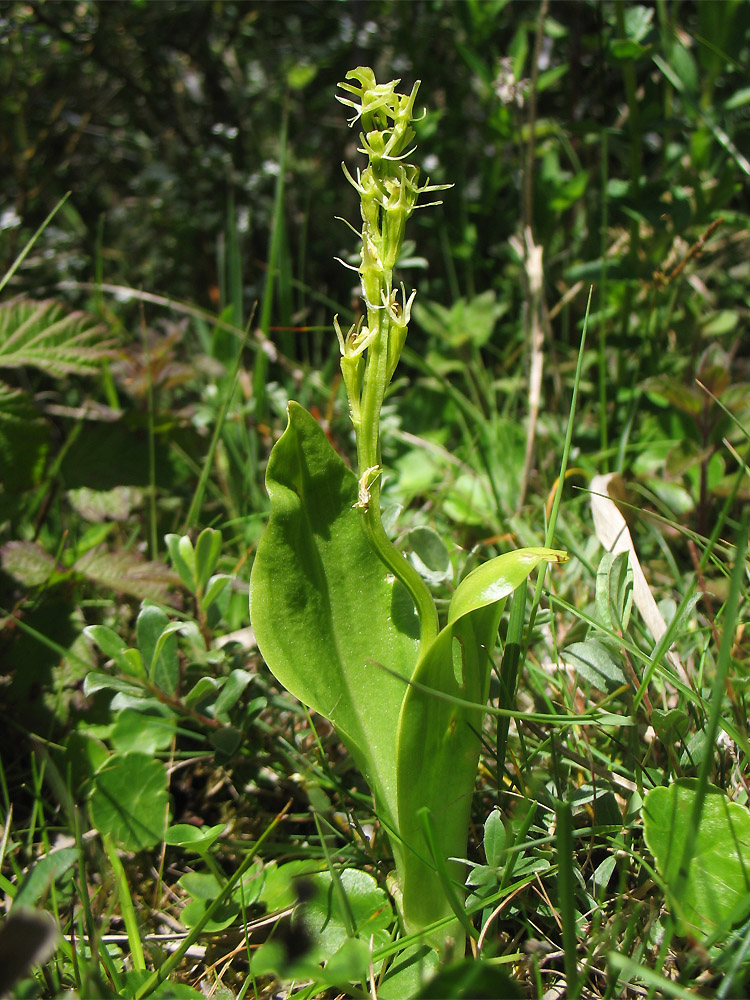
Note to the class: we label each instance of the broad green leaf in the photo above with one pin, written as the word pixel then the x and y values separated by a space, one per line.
pixel 329 922
pixel 193 838
pixel 85 752
pixel 187 554
pixel 300 74
pixel 204 888
pixel 129 801
pixel 42 874
pixel 105 505
pixel 204 687
pixel 603 873
pixel 438 737
pixel 408 972
pixel 470 501
pixel 720 323
pixel 230 693
pixel 497 579
pixel 467 321
pixel 334 628
pixel 716 892
pixel 417 470
pixel 326 928
pixel 495 839
pixel 223 916
pixel 139 731
pixel 674 392
pixel 207 552
pixel 183 559
pixel 284 885
pixel 594 662
pixel 623 48
pixel 638 20
pixel 738 99
pixel 217 589
pixel 115 648
pixel 671 725
pixel 226 742
pixel 469 979
pixel 98 681
pixel 158 645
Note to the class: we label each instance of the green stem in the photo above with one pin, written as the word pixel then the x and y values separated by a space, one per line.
pixel 368 454
pixel 401 568
pixel 374 385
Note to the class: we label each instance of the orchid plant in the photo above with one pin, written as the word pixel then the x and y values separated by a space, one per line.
pixel 343 620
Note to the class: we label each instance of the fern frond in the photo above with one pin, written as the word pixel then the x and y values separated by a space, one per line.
pixel 47 336
pixel 126 572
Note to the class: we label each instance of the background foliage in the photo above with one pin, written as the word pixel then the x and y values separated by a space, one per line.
pixel 184 291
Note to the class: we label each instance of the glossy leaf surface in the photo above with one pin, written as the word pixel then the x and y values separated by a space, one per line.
pixel 441 719
pixel 333 626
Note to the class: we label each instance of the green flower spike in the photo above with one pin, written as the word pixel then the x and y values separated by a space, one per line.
pixel 341 617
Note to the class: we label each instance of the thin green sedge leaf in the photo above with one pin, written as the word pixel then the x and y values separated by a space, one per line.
pixel 552 524
pixel 25 252
pixel 126 905
pixel 631 970
pixel 509 676
pixel 595 718
pixel 426 821
pixel 566 895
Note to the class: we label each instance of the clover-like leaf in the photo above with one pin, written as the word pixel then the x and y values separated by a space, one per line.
pixel 715 892
pixel 129 800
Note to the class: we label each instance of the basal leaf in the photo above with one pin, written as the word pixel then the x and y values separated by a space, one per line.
pixel 469 979
pixel 181 554
pixel 334 628
pixel 193 838
pixel 235 684
pixel 495 839
pixel 438 738
pixel 115 648
pixel 42 874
